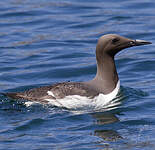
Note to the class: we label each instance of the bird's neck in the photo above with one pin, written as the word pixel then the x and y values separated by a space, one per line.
pixel 106 77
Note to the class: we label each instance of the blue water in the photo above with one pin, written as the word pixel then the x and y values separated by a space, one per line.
pixel 44 42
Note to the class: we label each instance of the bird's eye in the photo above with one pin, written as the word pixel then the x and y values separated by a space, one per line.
pixel 132 43
pixel 115 40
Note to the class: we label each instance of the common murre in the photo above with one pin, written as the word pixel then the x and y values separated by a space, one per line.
pixel 98 91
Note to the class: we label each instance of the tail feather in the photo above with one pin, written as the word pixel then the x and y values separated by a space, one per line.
pixel 12 95
pixel 23 96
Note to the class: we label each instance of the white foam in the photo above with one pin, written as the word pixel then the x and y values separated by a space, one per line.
pixel 77 101
pixel 29 103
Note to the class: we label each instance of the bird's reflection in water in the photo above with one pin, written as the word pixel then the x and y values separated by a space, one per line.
pixel 108 135
pixel 104 119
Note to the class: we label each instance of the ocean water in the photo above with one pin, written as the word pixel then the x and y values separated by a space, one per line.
pixel 44 42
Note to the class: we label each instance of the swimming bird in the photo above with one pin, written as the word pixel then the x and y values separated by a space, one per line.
pixel 102 89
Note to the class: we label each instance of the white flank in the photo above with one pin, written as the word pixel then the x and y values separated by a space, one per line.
pixel 77 101
pixel 50 93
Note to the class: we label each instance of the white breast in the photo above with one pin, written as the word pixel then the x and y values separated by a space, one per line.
pixel 76 101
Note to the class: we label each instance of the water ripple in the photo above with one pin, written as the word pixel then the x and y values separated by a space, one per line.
pixel 41 39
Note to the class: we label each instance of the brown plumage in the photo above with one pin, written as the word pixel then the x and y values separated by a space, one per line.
pixel 60 90
pixel 104 82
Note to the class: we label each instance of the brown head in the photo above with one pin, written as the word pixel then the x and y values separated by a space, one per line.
pixel 111 44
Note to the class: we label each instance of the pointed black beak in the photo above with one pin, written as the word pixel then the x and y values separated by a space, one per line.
pixel 139 42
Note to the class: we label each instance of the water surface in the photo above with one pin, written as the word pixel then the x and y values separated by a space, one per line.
pixel 44 42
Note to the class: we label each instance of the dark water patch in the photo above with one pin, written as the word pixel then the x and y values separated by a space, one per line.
pixel 31 124
pixel 140 5
pixel 23 14
pixel 72 56
pixel 138 122
pixel 25 23
pixel 88 25
pixel 136 93
pixel 120 18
